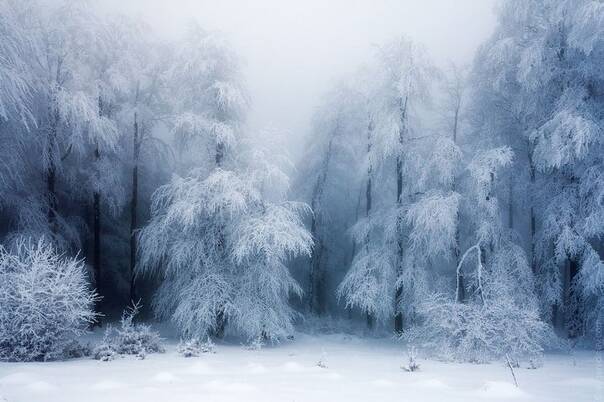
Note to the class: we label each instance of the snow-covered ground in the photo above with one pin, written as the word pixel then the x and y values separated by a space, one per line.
pixel 357 370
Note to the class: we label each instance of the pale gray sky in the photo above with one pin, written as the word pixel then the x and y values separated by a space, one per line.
pixel 293 50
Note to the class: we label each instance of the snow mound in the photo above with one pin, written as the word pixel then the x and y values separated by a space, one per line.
pixel 19 378
pixel 255 368
pixel 293 367
pixel 431 383
pixel 107 385
pixel 500 390
pixel 165 377
pixel 40 386
pixel 222 386
pixel 332 376
pixel 199 369
pixel 382 383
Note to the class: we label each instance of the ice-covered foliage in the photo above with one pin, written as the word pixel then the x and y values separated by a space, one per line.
pixel 220 243
pixel 211 102
pixel 130 338
pixel 410 226
pixel 479 333
pixel 369 285
pixel 16 81
pixel 45 302
pixel 542 94
pixel 500 315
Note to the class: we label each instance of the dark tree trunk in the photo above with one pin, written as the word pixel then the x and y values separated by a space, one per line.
pixel 52 197
pixel 220 151
pixel 511 202
pixel 398 316
pixel 96 211
pixel 51 172
pixel 368 199
pixel 532 219
pixel 461 289
pixel 315 286
pixel 572 299
pixel 221 319
pixel 96 257
pixel 134 208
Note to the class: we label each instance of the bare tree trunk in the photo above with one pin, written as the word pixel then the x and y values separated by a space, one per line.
pixel 572 299
pixel 354 243
pixel 51 172
pixel 398 317
pixel 96 257
pixel 368 199
pixel 96 211
pixel 511 202
pixel 220 150
pixel 356 218
pixel 220 317
pixel 532 219
pixel 460 291
pixel 315 287
pixel 134 208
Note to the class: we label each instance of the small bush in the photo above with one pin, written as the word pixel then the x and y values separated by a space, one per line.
pixel 195 347
pixel 129 339
pixel 412 365
pixel 45 302
pixel 322 363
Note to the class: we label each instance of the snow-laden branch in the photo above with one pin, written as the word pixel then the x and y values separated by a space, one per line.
pixel 476 248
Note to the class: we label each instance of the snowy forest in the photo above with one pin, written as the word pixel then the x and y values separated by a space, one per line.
pixel 445 213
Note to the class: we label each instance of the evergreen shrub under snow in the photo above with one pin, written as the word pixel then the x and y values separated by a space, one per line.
pixel 45 302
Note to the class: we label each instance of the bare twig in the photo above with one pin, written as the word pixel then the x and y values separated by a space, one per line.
pixel 507 358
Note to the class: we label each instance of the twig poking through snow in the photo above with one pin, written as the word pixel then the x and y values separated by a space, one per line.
pixel 507 358
pixel 413 365
pixel 323 361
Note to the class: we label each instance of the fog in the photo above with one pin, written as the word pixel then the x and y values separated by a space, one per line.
pixel 293 49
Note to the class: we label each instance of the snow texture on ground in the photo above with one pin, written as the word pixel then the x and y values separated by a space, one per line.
pixel 356 370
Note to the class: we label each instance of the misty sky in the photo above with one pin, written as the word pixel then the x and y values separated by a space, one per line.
pixel 293 50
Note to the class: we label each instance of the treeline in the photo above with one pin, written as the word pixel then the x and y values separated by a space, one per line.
pixel 463 207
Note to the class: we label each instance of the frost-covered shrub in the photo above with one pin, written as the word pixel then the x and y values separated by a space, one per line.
pixel 479 333
pixel 412 364
pixel 195 347
pixel 45 302
pixel 500 317
pixel 129 339
pixel 495 312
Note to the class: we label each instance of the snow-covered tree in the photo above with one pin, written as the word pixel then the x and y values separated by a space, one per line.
pixel 542 93
pixel 209 100
pixel 397 135
pixel 220 244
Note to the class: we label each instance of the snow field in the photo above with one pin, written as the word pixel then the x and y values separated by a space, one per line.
pixel 357 370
